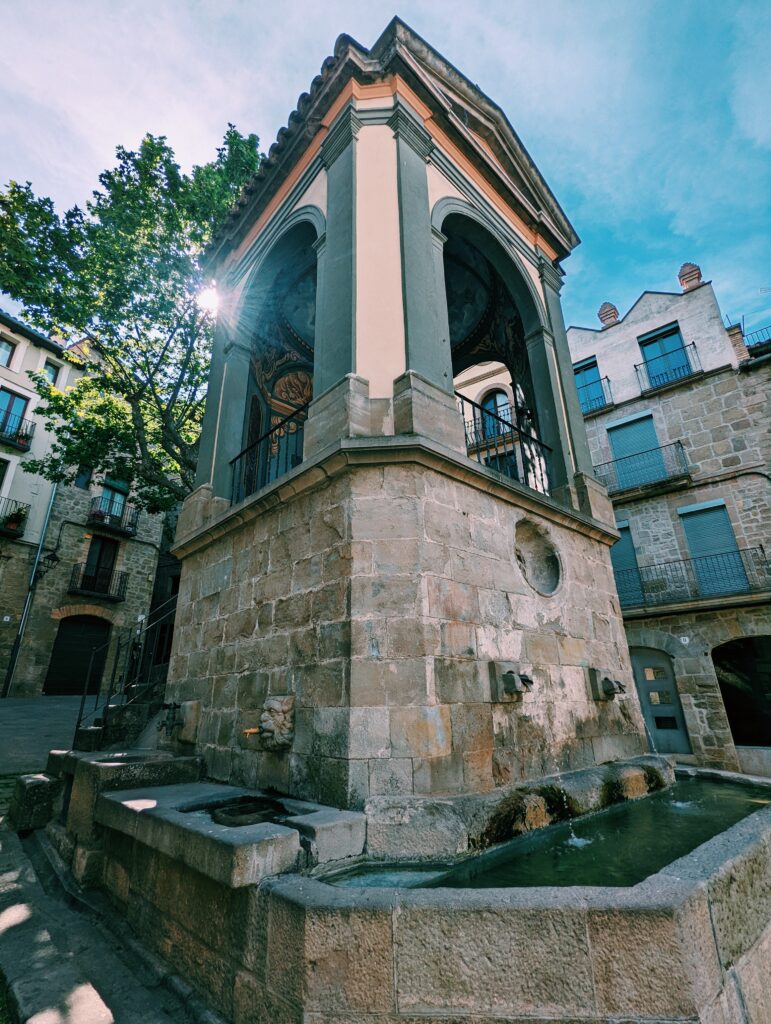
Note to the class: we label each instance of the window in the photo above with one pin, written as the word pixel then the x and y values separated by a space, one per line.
pixel 12 409
pixel 497 403
pixel 591 393
pixel 112 501
pixel 4 465
pixel 6 351
pixel 637 455
pixel 623 558
pixel 51 370
pixel 716 560
pixel 83 477
pixel 666 357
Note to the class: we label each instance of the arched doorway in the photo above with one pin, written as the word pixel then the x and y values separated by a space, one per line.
pixel 491 314
pixel 743 669
pixel 77 637
pixel 660 701
pixel 278 318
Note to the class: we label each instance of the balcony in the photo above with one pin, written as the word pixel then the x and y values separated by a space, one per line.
pixel 595 395
pixel 17 432
pixel 113 516
pixel 695 579
pixel 494 442
pixel 269 457
pixel 758 341
pixel 659 465
pixel 674 366
pixel 13 517
pixel 105 583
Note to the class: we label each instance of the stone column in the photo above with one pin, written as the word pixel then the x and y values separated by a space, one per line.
pixel 551 419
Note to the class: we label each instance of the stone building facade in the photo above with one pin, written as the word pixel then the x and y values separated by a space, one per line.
pixel 440 613
pixel 676 409
pixel 77 561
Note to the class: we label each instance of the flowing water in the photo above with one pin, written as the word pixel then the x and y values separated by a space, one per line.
pixel 619 846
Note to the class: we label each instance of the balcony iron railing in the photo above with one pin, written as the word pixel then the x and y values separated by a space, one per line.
pixel 494 441
pixel 644 469
pixel 106 583
pixel 745 571
pixel 118 517
pixel 16 431
pixel 760 337
pixel 595 395
pixel 270 456
pixel 13 517
pixel 676 365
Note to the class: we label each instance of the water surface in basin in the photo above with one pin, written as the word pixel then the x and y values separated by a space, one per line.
pixel 617 847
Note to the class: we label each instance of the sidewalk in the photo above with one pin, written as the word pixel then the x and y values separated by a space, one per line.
pixel 30 727
pixel 65 962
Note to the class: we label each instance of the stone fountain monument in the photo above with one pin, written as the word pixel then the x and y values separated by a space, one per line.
pixel 423 622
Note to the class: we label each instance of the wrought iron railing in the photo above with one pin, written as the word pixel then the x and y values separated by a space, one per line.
pixel 13 517
pixel 760 337
pixel 113 515
pixel 17 431
pixel 270 456
pixel 494 441
pixel 744 571
pixel 106 583
pixel 654 466
pixel 659 371
pixel 132 675
pixel 595 395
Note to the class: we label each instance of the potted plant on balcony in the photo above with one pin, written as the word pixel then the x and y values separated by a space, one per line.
pixel 14 521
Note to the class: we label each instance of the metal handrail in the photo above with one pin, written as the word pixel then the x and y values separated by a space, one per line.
pixel 592 404
pixel 667 462
pixel 133 640
pixel 654 374
pixel 107 583
pixel 116 515
pixel 758 337
pixel 496 442
pixel 267 459
pixel 741 571
pixel 16 430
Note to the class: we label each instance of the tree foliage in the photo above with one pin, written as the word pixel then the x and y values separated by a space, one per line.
pixel 117 281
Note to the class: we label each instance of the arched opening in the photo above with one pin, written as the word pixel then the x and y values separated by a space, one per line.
pixel 490 315
pixel 278 322
pixel 71 665
pixel 743 669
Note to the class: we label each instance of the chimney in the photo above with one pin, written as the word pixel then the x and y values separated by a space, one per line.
pixel 689 276
pixel 608 314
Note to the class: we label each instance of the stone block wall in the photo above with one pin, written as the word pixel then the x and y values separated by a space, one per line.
pixel 379 600
pixel 70 534
pixel 697 684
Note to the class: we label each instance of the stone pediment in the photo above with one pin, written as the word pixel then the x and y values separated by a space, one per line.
pixel 456 108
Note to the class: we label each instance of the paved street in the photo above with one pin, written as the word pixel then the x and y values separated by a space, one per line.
pixel 30 727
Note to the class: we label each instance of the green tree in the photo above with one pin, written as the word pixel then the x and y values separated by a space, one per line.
pixel 119 281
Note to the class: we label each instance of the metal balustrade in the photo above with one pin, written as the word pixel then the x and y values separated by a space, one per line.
pixel 13 517
pixel 270 456
pixel 665 369
pixel 760 337
pixel 493 440
pixel 16 431
pixel 106 583
pixel 595 395
pixel 744 571
pixel 116 516
pixel 668 462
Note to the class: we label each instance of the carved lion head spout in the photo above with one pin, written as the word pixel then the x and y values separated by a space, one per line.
pixel 277 723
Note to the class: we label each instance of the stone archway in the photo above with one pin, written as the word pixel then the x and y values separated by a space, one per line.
pixel 78 656
pixel 743 669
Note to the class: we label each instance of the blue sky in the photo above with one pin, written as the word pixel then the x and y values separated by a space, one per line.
pixel 650 120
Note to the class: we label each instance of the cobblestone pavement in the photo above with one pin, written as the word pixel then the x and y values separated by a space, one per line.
pixel 30 727
pixel 64 961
